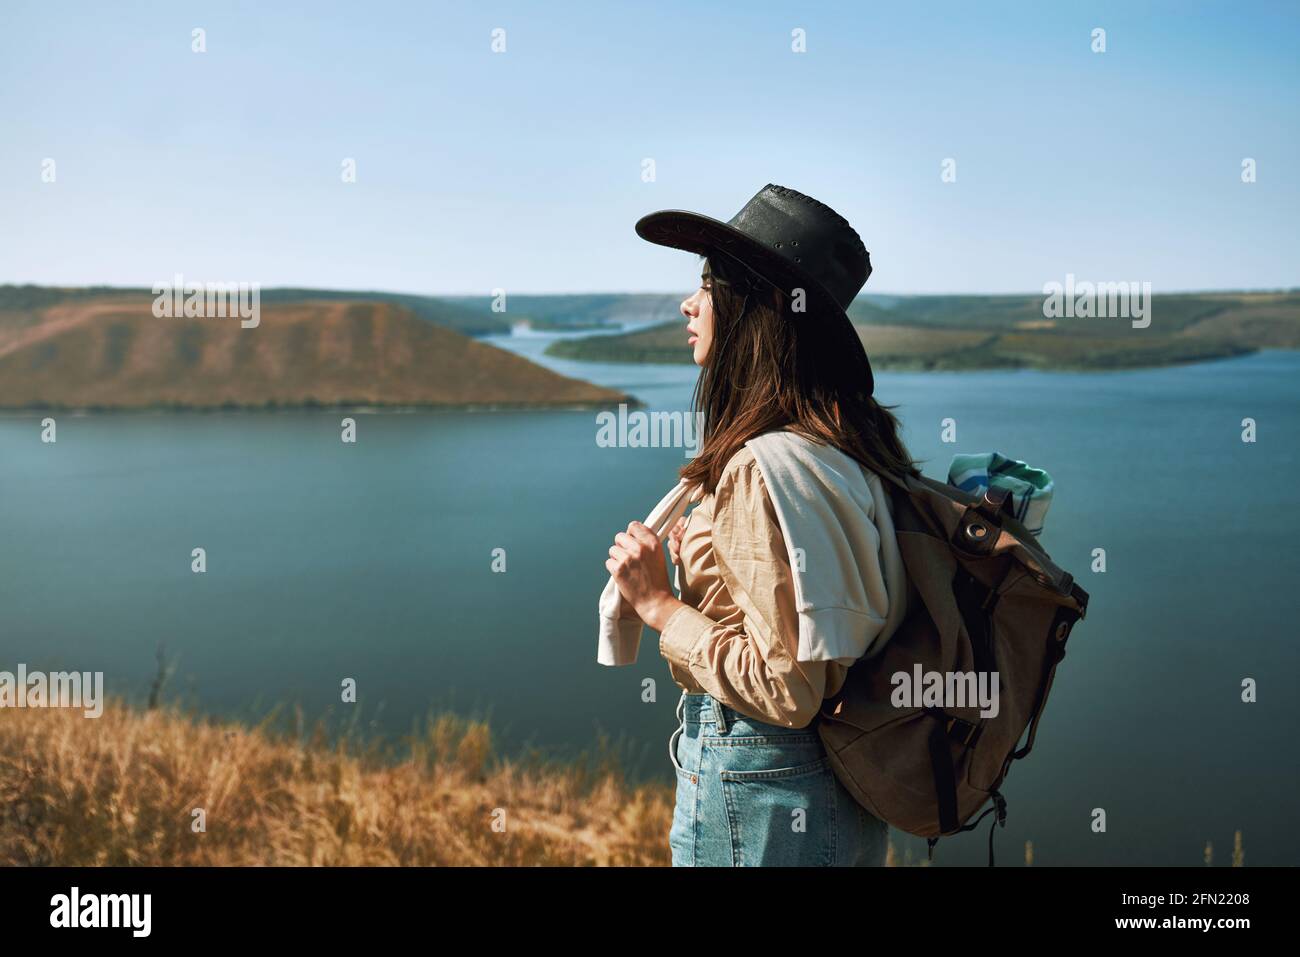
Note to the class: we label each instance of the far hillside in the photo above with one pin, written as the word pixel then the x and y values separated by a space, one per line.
pixel 111 352
pixel 579 311
pixel 472 315
pixel 471 322
pixel 980 332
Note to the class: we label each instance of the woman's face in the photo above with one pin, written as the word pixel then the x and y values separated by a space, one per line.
pixel 698 310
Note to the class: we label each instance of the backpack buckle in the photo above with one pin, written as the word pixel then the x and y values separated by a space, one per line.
pixel 996 501
pixel 964 732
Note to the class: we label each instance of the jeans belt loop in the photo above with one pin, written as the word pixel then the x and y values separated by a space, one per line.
pixel 719 717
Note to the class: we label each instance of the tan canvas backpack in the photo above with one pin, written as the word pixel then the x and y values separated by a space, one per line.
pixel 987 598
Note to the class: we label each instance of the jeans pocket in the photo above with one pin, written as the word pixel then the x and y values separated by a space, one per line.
pixel 672 747
pixel 781 817
pixel 681 834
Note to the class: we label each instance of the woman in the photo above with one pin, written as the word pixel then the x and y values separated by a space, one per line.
pixel 755 660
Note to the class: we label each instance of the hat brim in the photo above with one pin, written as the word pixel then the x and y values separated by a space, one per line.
pixel 694 232
pixel 700 234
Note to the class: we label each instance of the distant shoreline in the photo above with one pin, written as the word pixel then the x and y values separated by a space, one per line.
pixel 576 350
pixel 360 409
pixel 970 333
pixel 97 351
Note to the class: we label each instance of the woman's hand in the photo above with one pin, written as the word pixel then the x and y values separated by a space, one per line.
pixel 675 540
pixel 636 563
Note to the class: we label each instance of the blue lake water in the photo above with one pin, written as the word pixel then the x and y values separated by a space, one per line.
pixel 373 561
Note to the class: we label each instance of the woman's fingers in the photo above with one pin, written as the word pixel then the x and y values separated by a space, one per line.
pixel 642 534
pixel 636 563
pixel 675 540
pixel 637 544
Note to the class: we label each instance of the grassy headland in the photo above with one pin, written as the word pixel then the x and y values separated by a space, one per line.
pixel 101 352
pixel 986 332
pixel 471 315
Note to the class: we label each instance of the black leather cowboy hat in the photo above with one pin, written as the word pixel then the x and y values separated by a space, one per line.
pixel 789 239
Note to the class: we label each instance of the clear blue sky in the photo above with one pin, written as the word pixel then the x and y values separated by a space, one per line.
pixel 523 170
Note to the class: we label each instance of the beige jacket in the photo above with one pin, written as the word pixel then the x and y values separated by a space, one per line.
pixel 739 638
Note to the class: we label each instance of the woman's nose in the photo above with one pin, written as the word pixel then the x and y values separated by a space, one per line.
pixel 689 309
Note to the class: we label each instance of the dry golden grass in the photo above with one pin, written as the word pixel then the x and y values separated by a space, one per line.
pixel 121 789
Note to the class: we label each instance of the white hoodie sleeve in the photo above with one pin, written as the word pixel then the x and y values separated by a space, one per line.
pixel 619 636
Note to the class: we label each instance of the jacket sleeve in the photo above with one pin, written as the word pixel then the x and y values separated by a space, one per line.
pixel 748 662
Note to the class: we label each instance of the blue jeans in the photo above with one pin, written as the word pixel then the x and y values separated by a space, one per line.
pixel 756 794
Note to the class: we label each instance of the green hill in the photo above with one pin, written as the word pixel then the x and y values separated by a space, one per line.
pixel 443 312
pixel 576 311
pixel 109 351
pixel 982 332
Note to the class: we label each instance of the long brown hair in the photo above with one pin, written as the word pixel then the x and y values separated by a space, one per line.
pixel 771 368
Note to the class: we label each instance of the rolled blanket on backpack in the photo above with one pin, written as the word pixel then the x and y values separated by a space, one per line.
pixel 1030 488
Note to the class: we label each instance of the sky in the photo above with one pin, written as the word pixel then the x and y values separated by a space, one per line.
pixel 525 170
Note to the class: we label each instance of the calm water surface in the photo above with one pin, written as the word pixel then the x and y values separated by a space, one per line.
pixel 374 561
